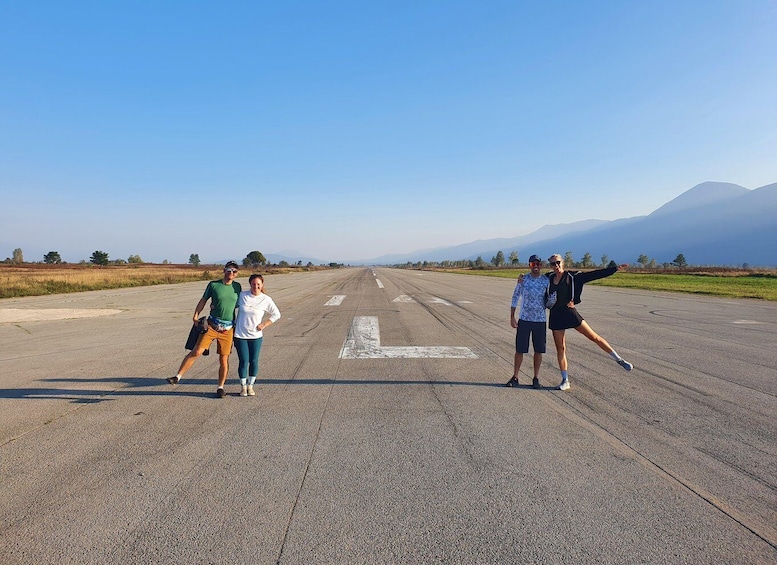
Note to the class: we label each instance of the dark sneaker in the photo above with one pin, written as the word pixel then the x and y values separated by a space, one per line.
pixel 625 364
pixel 512 382
pixel 220 392
pixel 173 380
pixel 535 382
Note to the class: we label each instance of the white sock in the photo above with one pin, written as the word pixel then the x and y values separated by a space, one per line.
pixel 243 381
pixel 615 356
pixel 251 380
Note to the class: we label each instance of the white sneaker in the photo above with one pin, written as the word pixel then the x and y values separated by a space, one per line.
pixel 244 391
pixel 625 364
pixel 564 385
pixel 251 390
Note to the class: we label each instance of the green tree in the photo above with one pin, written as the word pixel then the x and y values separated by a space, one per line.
pixel 605 259
pixel 612 264
pixel 643 260
pixel 18 256
pixel 134 259
pixel 568 260
pixel 194 259
pixel 479 263
pixel 52 258
pixel 254 259
pixel 680 261
pixel 99 258
pixel 498 260
pixel 587 260
pixel 514 258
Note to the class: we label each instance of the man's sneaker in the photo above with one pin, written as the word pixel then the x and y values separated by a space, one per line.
pixel 173 380
pixel 564 385
pixel 244 391
pixel 512 382
pixel 251 390
pixel 535 382
pixel 625 364
pixel 220 392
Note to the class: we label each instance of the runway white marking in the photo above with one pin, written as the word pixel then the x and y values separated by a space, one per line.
pixel 363 342
pixel 380 284
pixel 436 300
pixel 403 298
pixel 746 322
pixel 336 300
pixel 463 302
pixel 15 315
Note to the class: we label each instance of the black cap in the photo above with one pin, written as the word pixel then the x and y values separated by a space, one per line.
pixel 231 264
pixel 534 258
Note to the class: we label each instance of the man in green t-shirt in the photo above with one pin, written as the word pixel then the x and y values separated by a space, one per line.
pixel 223 295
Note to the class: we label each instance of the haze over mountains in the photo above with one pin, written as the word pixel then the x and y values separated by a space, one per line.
pixel 713 223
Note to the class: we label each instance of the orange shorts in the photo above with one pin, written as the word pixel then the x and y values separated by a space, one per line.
pixel 224 340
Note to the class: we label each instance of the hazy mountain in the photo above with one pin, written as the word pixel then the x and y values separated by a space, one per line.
pixel 713 223
pixel 475 248
pixel 702 194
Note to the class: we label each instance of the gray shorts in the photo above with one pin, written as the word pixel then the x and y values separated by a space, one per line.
pixel 538 336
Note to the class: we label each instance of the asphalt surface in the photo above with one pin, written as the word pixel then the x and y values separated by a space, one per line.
pixel 388 458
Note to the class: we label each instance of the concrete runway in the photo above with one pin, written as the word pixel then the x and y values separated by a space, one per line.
pixel 364 448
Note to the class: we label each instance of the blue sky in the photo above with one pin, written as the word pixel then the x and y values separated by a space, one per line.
pixel 347 130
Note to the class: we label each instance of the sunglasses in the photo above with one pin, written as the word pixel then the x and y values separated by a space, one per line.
pixel 555 263
pixel 230 270
pixel 536 263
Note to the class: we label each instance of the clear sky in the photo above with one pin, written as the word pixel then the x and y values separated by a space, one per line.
pixel 345 130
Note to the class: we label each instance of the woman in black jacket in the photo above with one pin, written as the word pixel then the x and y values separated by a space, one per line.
pixel 565 290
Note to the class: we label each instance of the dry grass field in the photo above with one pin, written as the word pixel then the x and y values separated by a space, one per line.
pixel 36 279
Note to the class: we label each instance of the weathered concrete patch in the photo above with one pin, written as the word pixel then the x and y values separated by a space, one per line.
pixel 14 315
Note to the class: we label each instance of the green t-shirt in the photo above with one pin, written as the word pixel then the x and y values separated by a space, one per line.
pixel 223 299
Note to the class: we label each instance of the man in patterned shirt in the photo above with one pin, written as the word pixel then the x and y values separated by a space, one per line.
pixel 532 292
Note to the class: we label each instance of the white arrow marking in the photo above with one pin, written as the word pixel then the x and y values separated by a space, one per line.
pixel 436 300
pixel 403 298
pixel 336 300
pixel 363 342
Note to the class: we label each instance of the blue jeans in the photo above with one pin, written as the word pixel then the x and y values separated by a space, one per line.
pixel 248 356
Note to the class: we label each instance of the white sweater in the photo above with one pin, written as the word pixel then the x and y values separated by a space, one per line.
pixel 251 311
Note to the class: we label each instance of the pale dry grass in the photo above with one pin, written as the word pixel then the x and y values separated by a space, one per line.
pixel 38 279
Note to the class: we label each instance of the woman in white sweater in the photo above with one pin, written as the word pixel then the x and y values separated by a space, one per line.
pixel 252 306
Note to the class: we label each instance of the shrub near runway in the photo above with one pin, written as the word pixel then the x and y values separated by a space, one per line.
pixel 715 282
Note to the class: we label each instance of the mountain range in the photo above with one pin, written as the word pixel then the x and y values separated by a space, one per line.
pixel 713 223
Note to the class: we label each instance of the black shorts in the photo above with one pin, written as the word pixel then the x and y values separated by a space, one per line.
pixel 538 335
pixel 564 318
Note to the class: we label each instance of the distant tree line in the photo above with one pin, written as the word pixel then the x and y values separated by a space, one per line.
pixel 498 262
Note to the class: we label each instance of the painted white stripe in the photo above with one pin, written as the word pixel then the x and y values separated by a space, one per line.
pixel 403 298
pixel 363 342
pixel 380 284
pixel 336 300
pixel 436 300
pixel 746 322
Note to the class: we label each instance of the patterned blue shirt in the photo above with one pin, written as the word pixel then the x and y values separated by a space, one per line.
pixel 531 292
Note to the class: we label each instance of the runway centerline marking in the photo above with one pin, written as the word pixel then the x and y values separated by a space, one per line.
pixel 363 342
pixel 380 284
pixel 336 300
